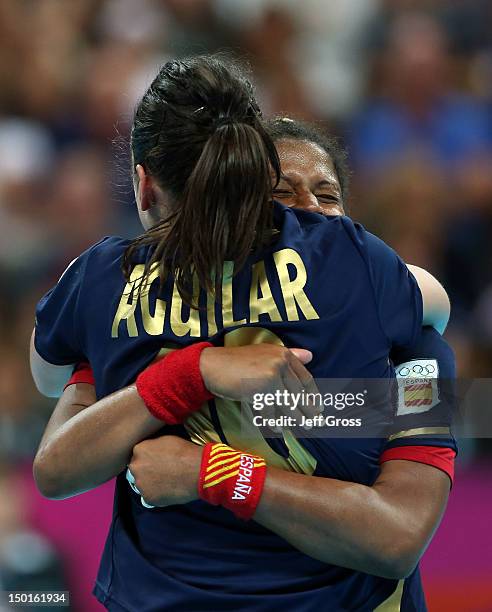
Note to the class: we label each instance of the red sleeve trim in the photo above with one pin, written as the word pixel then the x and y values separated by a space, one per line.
pixel 437 456
pixel 82 374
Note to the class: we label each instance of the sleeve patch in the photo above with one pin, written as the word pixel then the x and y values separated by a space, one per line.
pixel 418 389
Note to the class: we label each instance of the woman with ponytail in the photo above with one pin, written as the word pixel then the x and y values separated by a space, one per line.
pixel 203 164
pixel 218 268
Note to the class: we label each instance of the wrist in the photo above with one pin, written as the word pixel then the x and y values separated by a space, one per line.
pixel 208 367
pixel 191 461
pixel 231 479
pixel 173 388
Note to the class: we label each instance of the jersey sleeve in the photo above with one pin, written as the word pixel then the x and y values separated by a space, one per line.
pixel 56 337
pixel 421 430
pixel 59 317
pixel 397 294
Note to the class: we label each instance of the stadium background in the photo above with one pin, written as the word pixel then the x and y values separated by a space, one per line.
pixel 406 84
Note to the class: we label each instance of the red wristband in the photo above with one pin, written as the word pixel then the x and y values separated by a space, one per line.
pixel 231 479
pixel 173 388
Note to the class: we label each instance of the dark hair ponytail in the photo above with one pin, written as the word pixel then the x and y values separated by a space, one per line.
pixel 198 132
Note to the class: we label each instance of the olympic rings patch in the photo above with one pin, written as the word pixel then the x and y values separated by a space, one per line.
pixel 418 389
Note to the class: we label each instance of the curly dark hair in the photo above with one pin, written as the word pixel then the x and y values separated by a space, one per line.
pixel 280 128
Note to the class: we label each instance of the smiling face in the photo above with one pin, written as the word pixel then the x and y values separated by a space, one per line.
pixel 308 180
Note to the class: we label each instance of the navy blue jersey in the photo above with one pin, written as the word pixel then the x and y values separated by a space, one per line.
pixel 326 285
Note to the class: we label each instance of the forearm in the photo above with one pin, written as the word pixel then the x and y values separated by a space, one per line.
pixel 88 442
pixel 381 529
pixel 80 452
pixel 93 446
pixel 337 522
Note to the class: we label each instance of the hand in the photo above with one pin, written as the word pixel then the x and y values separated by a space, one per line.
pixel 166 470
pixel 238 373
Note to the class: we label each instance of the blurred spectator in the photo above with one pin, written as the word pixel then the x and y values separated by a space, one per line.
pixel 416 108
pixel 406 206
pixel 79 200
pixel 27 159
pixel 317 68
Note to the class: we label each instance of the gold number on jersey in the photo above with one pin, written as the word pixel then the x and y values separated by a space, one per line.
pixel 237 421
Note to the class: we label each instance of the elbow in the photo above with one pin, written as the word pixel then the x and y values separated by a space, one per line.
pixel 396 568
pixel 394 561
pixel 397 561
pixel 46 477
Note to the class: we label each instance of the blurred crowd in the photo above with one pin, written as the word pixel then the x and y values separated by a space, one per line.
pixel 406 85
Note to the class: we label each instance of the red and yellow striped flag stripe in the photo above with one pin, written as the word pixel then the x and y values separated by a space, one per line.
pixel 221 470
pixel 222 461
pixel 221 479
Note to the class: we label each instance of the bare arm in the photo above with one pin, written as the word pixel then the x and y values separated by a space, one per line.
pixel 382 530
pixel 83 447
pixel 87 442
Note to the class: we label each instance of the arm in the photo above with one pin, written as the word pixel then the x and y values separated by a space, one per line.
pixel 55 345
pixel 100 438
pixel 382 530
pixel 385 528
pixel 101 434
pixel 435 300
pixel 48 378
pixel 407 297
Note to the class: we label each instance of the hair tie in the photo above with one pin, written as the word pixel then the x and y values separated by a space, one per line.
pixel 224 120
pixel 256 110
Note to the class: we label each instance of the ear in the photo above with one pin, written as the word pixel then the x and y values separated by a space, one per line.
pixel 143 189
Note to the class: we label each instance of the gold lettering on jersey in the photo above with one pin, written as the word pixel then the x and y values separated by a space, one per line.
pixel 227 304
pixel 293 289
pixel 236 420
pixel 159 315
pixel 190 325
pixel 153 324
pixel 212 323
pixel 260 296
pixel 128 304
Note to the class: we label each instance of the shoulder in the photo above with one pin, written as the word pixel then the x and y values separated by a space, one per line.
pixel 370 246
pixel 333 234
pixel 326 232
pixel 93 261
pixel 294 220
pixel 106 249
pixel 107 246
